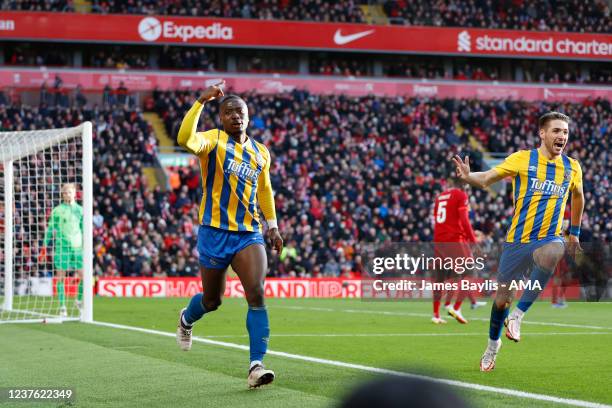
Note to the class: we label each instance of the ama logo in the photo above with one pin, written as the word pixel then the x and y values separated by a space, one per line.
pixel 464 42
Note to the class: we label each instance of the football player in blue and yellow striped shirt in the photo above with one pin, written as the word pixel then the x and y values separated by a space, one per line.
pixel 235 180
pixel 542 180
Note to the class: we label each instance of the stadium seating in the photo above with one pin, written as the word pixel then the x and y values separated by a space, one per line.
pixel 570 15
pixel 209 59
pixel 385 166
pixel 137 232
pixel 573 15
pixel 388 179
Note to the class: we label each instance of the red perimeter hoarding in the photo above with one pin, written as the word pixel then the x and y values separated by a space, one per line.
pixel 302 35
pixel 275 288
pixel 186 287
pixel 96 80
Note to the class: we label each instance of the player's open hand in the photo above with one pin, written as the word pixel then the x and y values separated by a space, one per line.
pixel 275 239
pixel 212 92
pixel 463 166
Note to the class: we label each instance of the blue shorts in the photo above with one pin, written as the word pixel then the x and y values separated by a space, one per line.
pixel 217 247
pixel 517 258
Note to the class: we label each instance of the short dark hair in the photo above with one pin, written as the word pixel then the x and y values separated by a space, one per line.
pixel 456 181
pixel 547 117
pixel 230 97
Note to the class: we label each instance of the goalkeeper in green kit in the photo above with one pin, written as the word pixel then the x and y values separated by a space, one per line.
pixel 66 226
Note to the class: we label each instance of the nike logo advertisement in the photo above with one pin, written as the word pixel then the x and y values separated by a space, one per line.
pixel 340 39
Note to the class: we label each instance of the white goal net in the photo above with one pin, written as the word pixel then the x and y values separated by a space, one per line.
pixel 46 243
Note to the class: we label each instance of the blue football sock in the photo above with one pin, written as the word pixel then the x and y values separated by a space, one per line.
pixel 259 332
pixel 529 296
pixel 497 321
pixel 195 310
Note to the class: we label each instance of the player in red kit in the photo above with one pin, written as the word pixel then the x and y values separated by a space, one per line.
pixel 452 225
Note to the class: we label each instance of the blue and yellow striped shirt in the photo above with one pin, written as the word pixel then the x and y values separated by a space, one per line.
pixel 540 189
pixel 235 177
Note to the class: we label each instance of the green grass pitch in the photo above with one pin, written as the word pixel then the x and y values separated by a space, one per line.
pixel 117 367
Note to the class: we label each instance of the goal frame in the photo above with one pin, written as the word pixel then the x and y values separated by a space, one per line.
pixel 86 133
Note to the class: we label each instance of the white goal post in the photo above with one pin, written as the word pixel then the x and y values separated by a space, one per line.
pixel 46 273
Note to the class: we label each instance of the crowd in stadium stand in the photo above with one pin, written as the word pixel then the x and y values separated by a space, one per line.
pixel 186 58
pixel 597 76
pixel 136 231
pixel 206 59
pixel 38 58
pixel 473 71
pixel 389 170
pixel 118 60
pixel 402 69
pixel 309 10
pixel 115 57
pixel 37 5
pixel 340 66
pixel 541 15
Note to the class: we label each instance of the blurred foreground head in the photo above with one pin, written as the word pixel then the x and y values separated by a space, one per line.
pixel 401 392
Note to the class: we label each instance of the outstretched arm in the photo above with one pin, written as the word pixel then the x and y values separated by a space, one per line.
pixel 49 235
pixel 188 137
pixel 265 197
pixel 577 207
pixel 576 219
pixel 464 221
pixel 480 179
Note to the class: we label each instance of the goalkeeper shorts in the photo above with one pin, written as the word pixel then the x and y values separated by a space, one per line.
pixel 217 247
pixel 68 259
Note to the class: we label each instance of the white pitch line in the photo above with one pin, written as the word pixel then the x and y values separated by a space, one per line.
pixel 454 383
pixel 389 313
pixel 49 318
pixel 527 334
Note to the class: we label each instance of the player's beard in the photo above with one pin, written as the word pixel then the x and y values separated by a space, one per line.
pixel 549 143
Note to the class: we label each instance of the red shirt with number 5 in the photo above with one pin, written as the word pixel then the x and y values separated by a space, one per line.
pixel 451 217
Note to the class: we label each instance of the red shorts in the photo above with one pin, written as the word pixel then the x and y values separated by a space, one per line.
pixel 452 250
